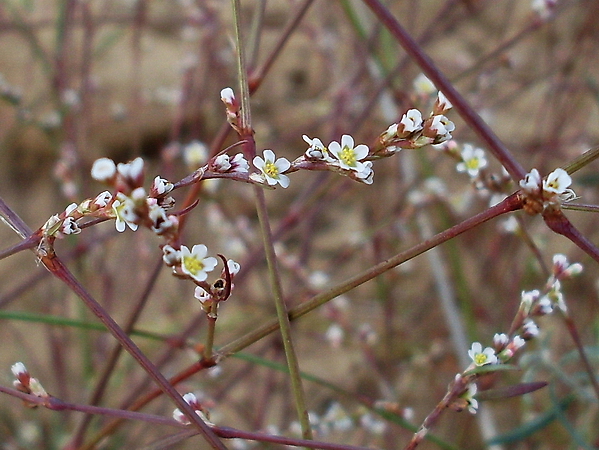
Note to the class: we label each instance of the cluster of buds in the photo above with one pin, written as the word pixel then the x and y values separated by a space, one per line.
pixel 413 131
pixel 25 382
pixel 200 410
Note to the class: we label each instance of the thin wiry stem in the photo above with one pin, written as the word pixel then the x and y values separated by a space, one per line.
pixel 266 231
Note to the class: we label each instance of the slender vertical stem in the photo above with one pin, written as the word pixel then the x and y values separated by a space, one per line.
pixel 282 315
pixel 275 282
pixel 211 329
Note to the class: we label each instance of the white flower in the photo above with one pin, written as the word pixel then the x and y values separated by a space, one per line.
pixel 442 127
pixel 530 329
pixel 162 186
pixel 233 267
pixel 69 209
pixel 195 153
pixel 102 199
pixel 70 226
pixel 517 343
pixel 124 212
pixel 557 181
pixel 103 169
pixel 348 156
pixel 160 222
pixel 442 105
pixel 411 121
pixel 272 168
pixel 239 164
pixel 18 369
pixel 201 295
pixel 531 182
pixel 482 357
pixel 562 268
pixel 528 299
pixel 366 175
pixel 195 263
pixel 170 256
pixel 500 340
pixel 227 96
pixel 221 163
pixel 132 170
pixel 469 397
pixel 317 150
pixel 473 159
pixel 422 85
pixel 192 401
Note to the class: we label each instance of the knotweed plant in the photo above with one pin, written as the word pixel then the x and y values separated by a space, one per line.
pixel 288 305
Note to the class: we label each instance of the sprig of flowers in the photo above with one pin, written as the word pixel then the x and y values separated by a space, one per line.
pixel 533 304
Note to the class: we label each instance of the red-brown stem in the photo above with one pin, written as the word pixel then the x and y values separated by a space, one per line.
pixel 58 269
pixel 559 223
pixel 453 392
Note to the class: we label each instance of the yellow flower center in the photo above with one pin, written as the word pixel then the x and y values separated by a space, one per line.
pixel 271 170
pixel 480 359
pixel 192 264
pixel 348 156
pixel 472 163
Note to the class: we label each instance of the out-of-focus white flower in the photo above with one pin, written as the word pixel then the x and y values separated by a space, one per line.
pixel 423 86
pixel 195 153
pixel 473 160
pixel 103 169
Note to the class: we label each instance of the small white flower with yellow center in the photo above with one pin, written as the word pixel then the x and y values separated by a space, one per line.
pixel 473 159
pixel 124 212
pixel 349 156
pixel 195 263
pixel 472 403
pixel 272 168
pixel 557 182
pixel 482 357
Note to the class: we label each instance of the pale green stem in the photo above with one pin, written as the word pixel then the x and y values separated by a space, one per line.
pixel 211 328
pixel 282 315
pixel 275 282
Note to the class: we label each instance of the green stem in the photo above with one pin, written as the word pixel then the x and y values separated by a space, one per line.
pixel 282 315
pixel 249 146
pixel 211 328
